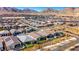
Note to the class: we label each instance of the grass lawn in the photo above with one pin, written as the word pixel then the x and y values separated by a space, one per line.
pixel 34 47
pixel 1 29
pixel 29 45
pixel 41 41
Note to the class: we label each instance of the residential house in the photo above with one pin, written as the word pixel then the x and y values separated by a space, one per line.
pixel 1 44
pixel 4 33
pixel 12 43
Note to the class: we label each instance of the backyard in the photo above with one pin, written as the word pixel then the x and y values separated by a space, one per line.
pixel 47 42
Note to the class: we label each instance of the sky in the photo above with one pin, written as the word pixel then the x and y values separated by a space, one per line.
pixel 41 8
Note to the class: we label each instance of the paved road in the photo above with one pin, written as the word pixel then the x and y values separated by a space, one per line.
pixel 73 48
